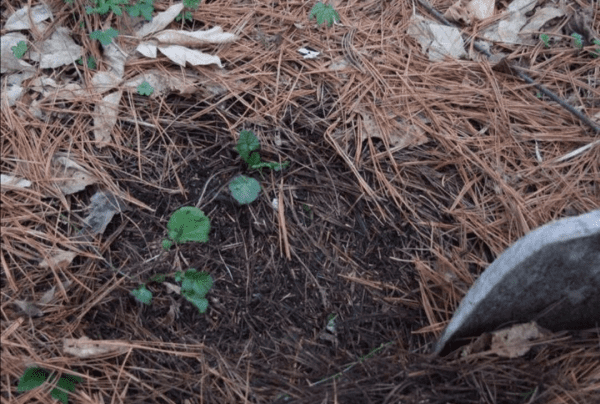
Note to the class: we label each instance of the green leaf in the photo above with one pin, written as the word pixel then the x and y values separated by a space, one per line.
pixel 179 276
pixel 19 49
pixel 159 278
pixel 545 39
pixel 105 37
pixel 254 160
pixel 247 143
pixel 244 189
pixel 191 3
pixel 188 224
pixel 65 385
pixel 167 244
pixel 324 13
pixel 143 8
pixel 32 378
pixel 578 40
pixel 142 294
pixel 145 89
pixel 200 302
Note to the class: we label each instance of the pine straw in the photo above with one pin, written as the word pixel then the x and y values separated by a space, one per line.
pixel 387 238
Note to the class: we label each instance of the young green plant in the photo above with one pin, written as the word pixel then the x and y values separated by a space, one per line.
pixel 244 189
pixel 324 13
pixel 187 224
pixel 35 376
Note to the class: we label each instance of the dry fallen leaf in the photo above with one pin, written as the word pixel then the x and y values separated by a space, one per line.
pixel 84 347
pixel 517 340
pixel 59 259
pixel 69 176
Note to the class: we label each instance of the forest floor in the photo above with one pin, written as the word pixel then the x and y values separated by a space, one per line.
pixel 407 177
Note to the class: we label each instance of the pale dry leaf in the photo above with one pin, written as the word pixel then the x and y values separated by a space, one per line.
pixel 436 40
pixel 182 55
pixel 115 60
pixel 481 9
pixel 29 308
pixel 529 33
pixel 58 50
pixel 507 29
pixel 20 19
pixel 104 81
pixel 103 207
pixel 162 83
pixel 517 340
pixel 160 20
pixel 12 181
pixel 85 347
pixel 172 288
pixel 195 38
pixel 8 61
pixel 69 176
pixel 59 260
pixel 105 117
pixel 49 295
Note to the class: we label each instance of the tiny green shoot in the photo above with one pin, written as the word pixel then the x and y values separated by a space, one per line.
pixel 247 143
pixel 142 294
pixel 105 37
pixel 91 62
pixel 145 8
pixel 324 13
pixel 187 224
pixel 595 53
pixel 578 40
pixel 105 6
pixel 145 89
pixel 190 5
pixel 545 40
pixel 194 287
pixel 19 49
pixel 35 376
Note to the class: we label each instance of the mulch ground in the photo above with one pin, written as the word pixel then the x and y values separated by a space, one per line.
pixel 385 233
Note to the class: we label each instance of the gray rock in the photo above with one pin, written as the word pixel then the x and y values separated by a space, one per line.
pixel 551 276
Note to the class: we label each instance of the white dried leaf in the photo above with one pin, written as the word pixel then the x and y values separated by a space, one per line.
pixel 148 49
pixel 14 182
pixel 29 308
pixel 172 288
pixel 186 38
pixel 437 40
pixel 58 50
pixel 115 60
pixel 105 81
pixel 517 340
pixel 105 117
pixel 84 347
pixel 69 176
pixel 20 19
pixel 103 207
pixel 182 55
pixel 59 259
pixel 160 21
pixel 8 61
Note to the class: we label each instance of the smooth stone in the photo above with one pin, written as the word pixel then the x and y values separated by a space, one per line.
pixel 550 276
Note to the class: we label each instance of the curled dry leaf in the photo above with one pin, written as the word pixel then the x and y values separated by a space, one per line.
pixel 105 117
pixel 60 259
pixel 20 19
pixel 69 176
pixel 58 50
pixel 517 340
pixel 196 38
pixel 85 347
pixel 160 21
pixel 12 181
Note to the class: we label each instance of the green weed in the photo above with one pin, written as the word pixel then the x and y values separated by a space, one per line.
pixel 324 13
pixel 36 376
pixel 187 224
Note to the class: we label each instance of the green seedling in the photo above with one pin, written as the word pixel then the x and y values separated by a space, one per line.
pixel 244 189
pixel 187 15
pixel 19 49
pixel 595 53
pixel 105 37
pixel 187 224
pixel 246 145
pixel 145 89
pixel 545 40
pixel 324 13
pixel 91 62
pixel 35 376
pixel 578 40
pixel 104 6
pixel 194 287
pixel 145 8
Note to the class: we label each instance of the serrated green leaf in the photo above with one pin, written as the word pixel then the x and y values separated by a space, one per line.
pixel 32 378
pixel 244 189
pixel 145 89
pixel 324 13
pixel 19 49
pixel 142 294
pixel 188 224
pixel 246 144
pixel 200 302
pixel 105 37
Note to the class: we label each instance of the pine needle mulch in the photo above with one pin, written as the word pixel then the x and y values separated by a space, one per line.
pixel 407 178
